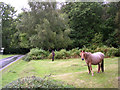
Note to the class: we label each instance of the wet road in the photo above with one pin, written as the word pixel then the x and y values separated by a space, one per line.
pixel 7 61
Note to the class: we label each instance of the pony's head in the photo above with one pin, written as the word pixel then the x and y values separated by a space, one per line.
pixel 82 54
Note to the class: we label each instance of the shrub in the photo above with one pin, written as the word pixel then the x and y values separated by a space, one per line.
pixel 74 53
pixel 68 55
pixel 36 54
pixel 62 54
pixel 109 52
pixel 35 82
pixel 103 49
pixel 88 50
pixel 117 52
pixel 50 56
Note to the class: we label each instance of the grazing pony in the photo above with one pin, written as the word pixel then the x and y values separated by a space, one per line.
pixel 93 59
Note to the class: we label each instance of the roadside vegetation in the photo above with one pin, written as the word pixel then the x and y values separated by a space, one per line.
pixel 5 56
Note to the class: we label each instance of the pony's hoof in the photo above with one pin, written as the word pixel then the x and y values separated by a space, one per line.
pixel 92 74
pixel 88 72
pixel 98 72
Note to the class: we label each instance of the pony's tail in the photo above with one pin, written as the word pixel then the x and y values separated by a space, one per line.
pixel 102 65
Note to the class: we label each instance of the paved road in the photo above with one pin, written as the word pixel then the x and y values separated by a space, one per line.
pixel 7 61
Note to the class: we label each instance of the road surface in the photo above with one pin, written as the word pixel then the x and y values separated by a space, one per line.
pixel 7 61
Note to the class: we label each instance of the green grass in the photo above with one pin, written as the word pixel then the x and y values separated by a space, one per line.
pixel 5 56
pixel 71 71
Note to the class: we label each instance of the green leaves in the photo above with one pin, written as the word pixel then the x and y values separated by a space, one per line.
pixel 82 19
pixel 8 24
pixel 75 25
pixel 88 18
pixel 44 26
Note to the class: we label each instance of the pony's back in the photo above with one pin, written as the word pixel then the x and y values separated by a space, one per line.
pixel 97 57
pixel 99 53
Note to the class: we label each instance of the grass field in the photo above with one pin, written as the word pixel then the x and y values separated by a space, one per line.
pixel 73 72
pixel 5 56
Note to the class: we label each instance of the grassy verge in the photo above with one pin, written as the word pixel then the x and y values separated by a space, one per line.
pixel 71 71
pixel 5 56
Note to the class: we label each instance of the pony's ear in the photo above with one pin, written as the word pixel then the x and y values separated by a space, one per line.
pixel 82 50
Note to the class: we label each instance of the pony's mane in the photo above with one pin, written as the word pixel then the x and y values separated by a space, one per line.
pixel 87 54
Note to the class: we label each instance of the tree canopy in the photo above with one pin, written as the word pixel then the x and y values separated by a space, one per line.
pixel 88 19
pixel 8 24
pixel 44 27
pixel 75 24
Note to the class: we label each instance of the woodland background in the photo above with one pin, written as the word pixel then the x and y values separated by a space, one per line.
pixel 74 25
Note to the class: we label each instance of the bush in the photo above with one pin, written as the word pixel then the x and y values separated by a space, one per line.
pixel 74 53
pixel 35 82
pixel 109 52
pixel 36 54
pixel 50 56
pixel 88 50
pixel 117 52
pixel 62 54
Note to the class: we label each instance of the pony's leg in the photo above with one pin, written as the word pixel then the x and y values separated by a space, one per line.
pixel 102 65
pixel 91 69
pixel 98 68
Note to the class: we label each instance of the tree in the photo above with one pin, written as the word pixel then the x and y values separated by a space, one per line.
pixel 44 27
pixel 112 22
pixel 117 21
pixel 97 41
pixel 8 24
pixel 85 21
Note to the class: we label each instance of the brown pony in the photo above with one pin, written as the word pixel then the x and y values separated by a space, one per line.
pixel 93 59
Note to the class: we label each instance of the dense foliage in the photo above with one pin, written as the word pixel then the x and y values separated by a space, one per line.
pixel 43 27
pixel 36 54
pixel 10 40
pixel 74 25
pixel 75 53
pixel 93 23
pixel 8 26
pixel 35 82
pixel 39 54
